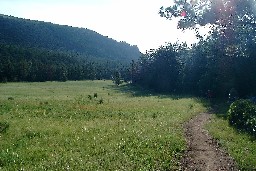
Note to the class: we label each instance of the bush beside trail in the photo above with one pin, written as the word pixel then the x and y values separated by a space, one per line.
pixel 242 115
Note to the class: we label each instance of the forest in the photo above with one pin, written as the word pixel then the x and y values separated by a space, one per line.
pixel 37 65
pixel 225 60
pixel 39 51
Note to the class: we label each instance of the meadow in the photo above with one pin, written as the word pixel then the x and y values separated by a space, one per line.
pixel 91 125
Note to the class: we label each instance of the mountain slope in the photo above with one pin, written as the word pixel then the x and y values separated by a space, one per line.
pixel 38 34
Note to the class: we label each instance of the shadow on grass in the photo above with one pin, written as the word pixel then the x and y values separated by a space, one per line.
pixel 133 90
pixel 219 107
pixel 138 91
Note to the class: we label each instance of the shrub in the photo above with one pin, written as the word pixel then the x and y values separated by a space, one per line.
pixel 117 78
pixel 10 98
pixel 3 127
pixel 89 97
pixel 242 115
pixel 101 101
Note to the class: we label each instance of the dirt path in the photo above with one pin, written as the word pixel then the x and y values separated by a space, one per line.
pixel 203 152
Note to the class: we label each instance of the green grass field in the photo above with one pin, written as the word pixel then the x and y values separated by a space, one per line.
pixel 239 145
pixel 55 126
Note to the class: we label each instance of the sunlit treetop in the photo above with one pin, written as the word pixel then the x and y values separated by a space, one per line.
pixel 222 13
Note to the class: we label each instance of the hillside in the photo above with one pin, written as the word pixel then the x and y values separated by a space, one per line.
pixel 40 51
pixel 44 35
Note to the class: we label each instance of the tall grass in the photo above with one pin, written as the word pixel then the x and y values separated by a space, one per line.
pixel 55 126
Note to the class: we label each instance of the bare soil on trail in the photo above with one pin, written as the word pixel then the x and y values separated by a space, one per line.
pixel 203 151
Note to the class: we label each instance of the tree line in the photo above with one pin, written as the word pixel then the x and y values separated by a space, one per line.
pixel 225 60
pixel 177 68
pixel 37 65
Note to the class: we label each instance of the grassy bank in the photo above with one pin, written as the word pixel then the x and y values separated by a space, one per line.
pixel 239 145
pixel 61 126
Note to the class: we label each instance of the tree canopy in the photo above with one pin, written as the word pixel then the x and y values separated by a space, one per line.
pixel 223 61
pixel 222 13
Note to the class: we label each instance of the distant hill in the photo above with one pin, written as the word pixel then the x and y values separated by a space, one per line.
pixel 40 51
pixel 38 34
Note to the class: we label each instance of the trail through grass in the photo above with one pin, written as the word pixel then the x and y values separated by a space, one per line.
pixel 55 126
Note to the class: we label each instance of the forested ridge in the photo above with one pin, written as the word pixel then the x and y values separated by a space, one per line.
pixel 30 33
pixel 39 51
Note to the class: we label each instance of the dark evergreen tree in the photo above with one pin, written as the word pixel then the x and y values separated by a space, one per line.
pixel 117 78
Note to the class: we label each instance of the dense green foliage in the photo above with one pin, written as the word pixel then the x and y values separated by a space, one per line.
pixel 241 146
pixel 32 64
pixel 56 126
pixel 225 60
pixel 39 51
pixel 226 15
pixel 242 115
pixel 211 65
pixel 159 69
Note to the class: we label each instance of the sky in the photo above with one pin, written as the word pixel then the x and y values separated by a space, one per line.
pixel 136 22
